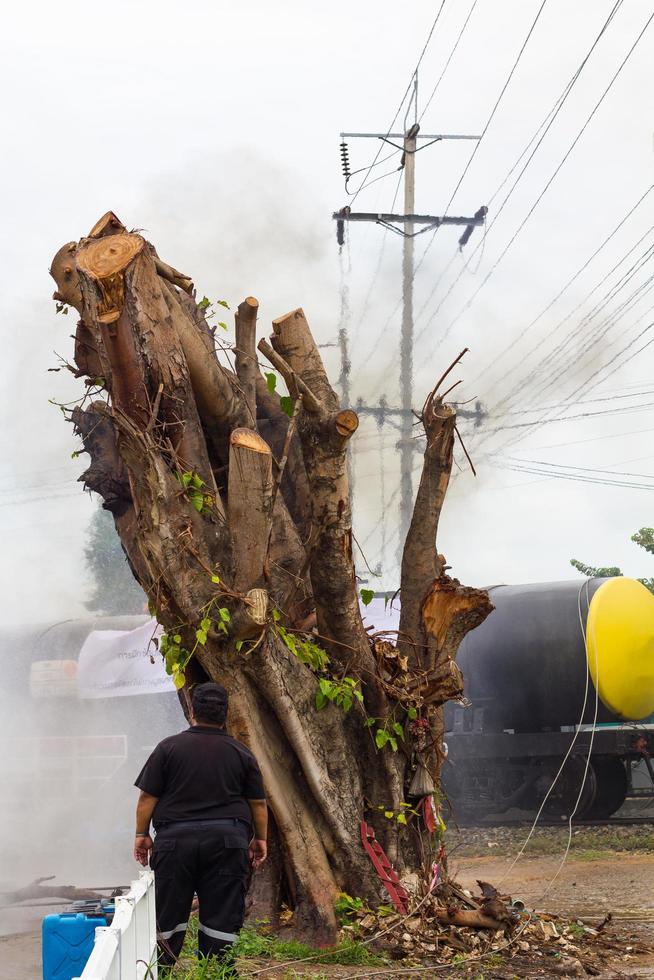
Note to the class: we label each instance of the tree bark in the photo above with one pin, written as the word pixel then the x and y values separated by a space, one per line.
pixel 229 512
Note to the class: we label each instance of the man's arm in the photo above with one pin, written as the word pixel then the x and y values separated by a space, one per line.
pixel 259 847
pixel 142 840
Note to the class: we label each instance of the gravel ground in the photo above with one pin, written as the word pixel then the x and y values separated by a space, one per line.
pixel 587 842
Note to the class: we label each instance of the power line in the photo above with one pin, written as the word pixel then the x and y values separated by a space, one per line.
pixel 447 63
pixel 399 108
pixel 577 479
pixel 366 301
pixel 549 183
pixel 564 289
pixel 599 333
pixel 497 103
pixel 622 364
pixel 588 401
pixel 584 469
pixel 627 410
pixel 484 131
pixel 545 127
pixel 602 438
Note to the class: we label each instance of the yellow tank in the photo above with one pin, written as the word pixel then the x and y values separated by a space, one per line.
pixel 620 647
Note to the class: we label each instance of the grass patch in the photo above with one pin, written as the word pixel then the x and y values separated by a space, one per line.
pixel 348 952
pixel 252 944
pixel 590 854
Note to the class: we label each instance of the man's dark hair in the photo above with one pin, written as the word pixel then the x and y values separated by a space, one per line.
pixel 210 703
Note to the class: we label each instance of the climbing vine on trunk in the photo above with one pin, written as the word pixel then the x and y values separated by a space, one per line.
pixel 232 505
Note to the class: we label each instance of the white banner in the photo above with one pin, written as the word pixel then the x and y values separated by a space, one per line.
pixel 382 615
pixel 118 663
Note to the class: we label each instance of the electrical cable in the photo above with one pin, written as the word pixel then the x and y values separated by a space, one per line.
pixel 485 130
pixel 571 398
pixel 545 127
pixel 550 475
pixel 584 469
pixel 579 442
pixel 559 352
pixel 565 757
pixel 565 288
pixel 590 746
pixel 549 183
pixel 366 301
pixel 618 366
pixel 399 108
pixel 447 63
pixel 497 104
pixel 588 401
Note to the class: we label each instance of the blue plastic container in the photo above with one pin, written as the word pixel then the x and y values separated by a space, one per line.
pixel 67 942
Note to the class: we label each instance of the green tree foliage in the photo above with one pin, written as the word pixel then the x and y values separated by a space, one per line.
pixel 644 538
pixel 115 590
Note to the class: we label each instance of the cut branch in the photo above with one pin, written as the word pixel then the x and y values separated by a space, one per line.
pixel 249 505
pixel 294 383
pixel 246 354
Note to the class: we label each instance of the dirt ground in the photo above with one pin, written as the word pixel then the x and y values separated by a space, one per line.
pixel 622 883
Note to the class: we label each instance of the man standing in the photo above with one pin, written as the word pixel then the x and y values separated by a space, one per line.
pixel 204 793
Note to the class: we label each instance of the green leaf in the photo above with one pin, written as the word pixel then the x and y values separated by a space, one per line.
pixel 358 695
pixel 215 579
pixel 76 453
pixel 401 818
pixel 239 645
pixel 412 714
pixel 346 704
pixel 204 303
pixel 325 685
pixel 179 680
pixel 271 381
pixel 276 615
pixel 287 405
pixel 369 722
pixel 186 478
pixel 387 599
pixel 197 481
pixel 222 302
pixel 381 738
pixel 367 595
pixel 177 638
pixel 397 728
pixel 389 814
pixel 223 326
pixel 201 637
pixel 321 700
pixel 225 615
pixel 393 743
pixel 205 624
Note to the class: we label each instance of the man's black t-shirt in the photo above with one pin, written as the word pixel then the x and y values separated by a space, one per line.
pixel 201 774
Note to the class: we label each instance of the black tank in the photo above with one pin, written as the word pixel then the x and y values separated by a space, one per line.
pixel 526 664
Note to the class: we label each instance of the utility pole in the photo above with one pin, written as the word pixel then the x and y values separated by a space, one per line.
pixel 406 341
pixel 409 225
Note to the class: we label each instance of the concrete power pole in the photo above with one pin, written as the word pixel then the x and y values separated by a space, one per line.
pixel 409 225
pixel 406 341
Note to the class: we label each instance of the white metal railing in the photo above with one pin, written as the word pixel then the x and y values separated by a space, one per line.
pixel 127 949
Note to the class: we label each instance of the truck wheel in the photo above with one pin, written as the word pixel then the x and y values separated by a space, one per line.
pixel 611 777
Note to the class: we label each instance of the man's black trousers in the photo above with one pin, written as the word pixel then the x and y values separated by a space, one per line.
pixel 210 859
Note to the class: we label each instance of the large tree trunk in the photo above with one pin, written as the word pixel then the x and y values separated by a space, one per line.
pixel 236 521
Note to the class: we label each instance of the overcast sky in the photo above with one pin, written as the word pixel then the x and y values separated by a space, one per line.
pixel 215 128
